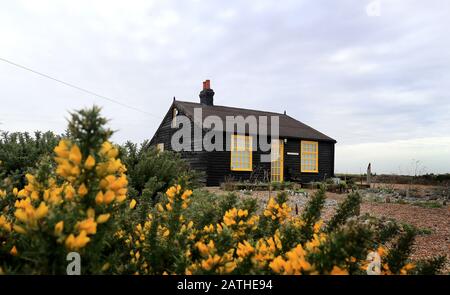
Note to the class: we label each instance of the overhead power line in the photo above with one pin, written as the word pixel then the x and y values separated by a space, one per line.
pixel 78 87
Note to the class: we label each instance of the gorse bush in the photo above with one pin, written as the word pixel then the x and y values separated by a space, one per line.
pixel 19 152
pixel 66 207
pixel 79 200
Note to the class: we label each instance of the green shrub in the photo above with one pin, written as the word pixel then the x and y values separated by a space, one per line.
pixel 151 172
pixel 348 208
pixel 205 208
pixel 19 152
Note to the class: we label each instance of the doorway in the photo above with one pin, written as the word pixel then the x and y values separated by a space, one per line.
pixel 277 160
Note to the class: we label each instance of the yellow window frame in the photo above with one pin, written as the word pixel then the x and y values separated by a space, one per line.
pixel 160 147
pixel 307 155
pixel 277 161
pixel 237 153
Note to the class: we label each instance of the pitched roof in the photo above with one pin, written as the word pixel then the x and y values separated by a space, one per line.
pixel 289 127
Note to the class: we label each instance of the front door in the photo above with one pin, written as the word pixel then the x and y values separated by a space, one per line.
pixel 277 160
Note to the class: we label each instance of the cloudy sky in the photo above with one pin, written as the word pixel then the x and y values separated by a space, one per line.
pixel 377 80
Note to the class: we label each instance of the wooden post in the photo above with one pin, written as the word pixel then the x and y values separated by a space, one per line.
pixel 369 175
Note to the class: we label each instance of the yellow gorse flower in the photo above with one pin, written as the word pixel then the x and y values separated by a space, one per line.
pixel 173 196
pixel 89 163
pixel 240 221
pixel 4 224
pixel 244 249
pixel 208 228
pixel 172 191
pixel 108 150
pixel 221 264
pixel 132 204
pixel 109 165
pixel 186 194
pixel 19 229
pixel 77 242
pixel 169 207
pixel 99 198
pixel 62 149
pixel 382 251
pixel 206 249
pixel 313 244
pixel 106 266
pixel 102 218
pixel 277 211
pixel 114 189
pixel 317 226
pixel 406 268
pixel 82 190
pixel 75 155
pixel 338 271
pixel 68 157
pixel 88 225
pixel 14 251
pixel 230 216
pixel 210 262
pixel 294 263
pixel 28 214
pixel 69 192
pixel 90 213
pixel 59 228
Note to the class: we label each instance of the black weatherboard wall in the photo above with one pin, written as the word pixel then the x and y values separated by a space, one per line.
pixel 196 159
pixel 219 164
pixel 216 164
pixel 292 162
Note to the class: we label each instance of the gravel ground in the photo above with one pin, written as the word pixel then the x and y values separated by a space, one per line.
pixel 436 220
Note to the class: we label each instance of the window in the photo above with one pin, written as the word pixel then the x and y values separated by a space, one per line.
pixel 160 147
pixel 309 156
pixel 277 160
pixel 241 153
pixel 174 117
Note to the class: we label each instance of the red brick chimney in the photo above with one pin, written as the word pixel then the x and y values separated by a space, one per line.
pixel 207 94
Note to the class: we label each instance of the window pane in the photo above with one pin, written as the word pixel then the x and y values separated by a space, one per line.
pixel 240 152
pixel 309 156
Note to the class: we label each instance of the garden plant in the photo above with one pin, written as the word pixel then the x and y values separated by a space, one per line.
pixel 152 218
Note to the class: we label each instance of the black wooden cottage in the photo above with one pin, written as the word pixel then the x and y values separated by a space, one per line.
pixel 305 154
